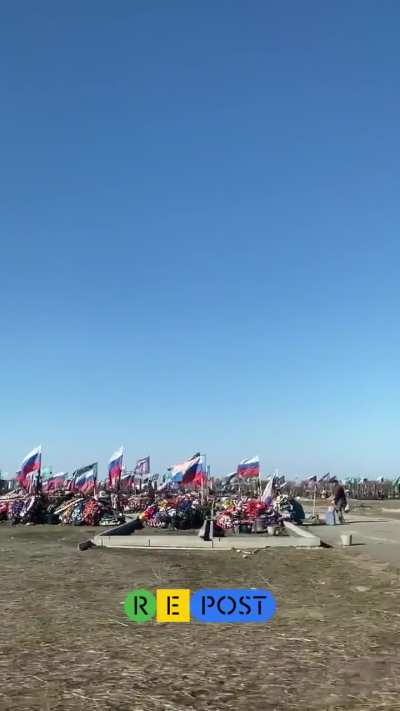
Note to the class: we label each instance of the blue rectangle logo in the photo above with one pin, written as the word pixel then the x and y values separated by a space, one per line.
pixel 233 605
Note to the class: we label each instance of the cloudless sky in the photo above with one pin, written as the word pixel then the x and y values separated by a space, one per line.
pixel 199 233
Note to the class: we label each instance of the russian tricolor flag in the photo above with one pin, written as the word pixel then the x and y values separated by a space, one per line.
pixel 185 472
pixel 30 469
pixel 126 480
pixel 54 483
pixel 115 468
pixel 142 466
pixel 200 476
pixel 267 494
pixel 327 478
pixel 85 479
pixel 249 468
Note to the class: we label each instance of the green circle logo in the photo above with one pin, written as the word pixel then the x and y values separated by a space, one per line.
pixel 140 605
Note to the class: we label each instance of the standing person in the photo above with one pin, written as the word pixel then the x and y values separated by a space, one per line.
pixel 340 501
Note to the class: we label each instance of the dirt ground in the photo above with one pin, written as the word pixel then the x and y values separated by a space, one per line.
pixel 386 508
pixel 66 645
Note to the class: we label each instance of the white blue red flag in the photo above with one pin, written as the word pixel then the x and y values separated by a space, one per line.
pixel 29 473
pixel 200 475
pixel 249 468
pixel 127 480
pixel 228 478
pixel 68 482
pixel 327 478
pixel 185 472
pixel 142 467
pixel 267 494
pixel 84 480
pixel 115 469
pixel 55 482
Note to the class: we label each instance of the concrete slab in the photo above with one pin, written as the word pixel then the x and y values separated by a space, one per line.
pixel 301 531
pixel 298 538
pixel 366 530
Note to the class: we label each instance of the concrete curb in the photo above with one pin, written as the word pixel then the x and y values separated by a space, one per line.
pixel 298 538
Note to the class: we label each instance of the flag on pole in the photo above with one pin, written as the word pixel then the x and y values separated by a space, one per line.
pixel 115 468
pixel 142 467
pixel 54 483
pixel 267 494
pixel 327 478
pixel 310 482
pixel 84 479
pixel 200 475
pixel 191 469
pixel 184 472
pixel 229 477
pixel 249 468
pixel 68 482
pixel 29 474
pixel 127 479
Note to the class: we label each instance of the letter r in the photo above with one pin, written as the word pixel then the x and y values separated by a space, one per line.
pixel 140 604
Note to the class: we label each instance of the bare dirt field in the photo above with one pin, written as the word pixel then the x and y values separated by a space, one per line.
pixel 385 508
pixel 66 645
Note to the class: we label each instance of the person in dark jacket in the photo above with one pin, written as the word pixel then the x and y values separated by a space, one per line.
pixel 340 501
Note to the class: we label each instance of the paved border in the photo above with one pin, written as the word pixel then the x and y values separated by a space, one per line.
pixel 298 538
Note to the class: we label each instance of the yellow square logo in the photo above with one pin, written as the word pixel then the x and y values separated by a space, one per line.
pixel 173 605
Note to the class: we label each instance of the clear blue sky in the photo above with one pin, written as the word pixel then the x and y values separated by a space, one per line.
pixel 199 249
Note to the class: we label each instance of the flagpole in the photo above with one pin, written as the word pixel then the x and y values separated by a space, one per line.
pixel 39 472
pixel 202 479
pixel 314 499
